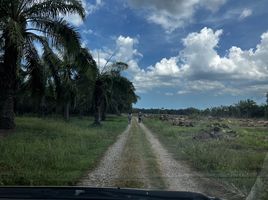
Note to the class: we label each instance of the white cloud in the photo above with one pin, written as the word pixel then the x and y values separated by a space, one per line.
pixel 74 19
pixel 245 13
pixel 173 14
pixel 124 51
pixel 198 67
pixel 182 92
pixel 90 8
pixel 84 43
pixel 201 55
pixel 169 94
pixel 102 57
pixel 88 31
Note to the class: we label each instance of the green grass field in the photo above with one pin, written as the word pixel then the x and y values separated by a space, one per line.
pixel 54 152
pixel 235 161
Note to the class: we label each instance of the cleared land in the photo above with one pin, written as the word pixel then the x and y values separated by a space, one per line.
pixel 138 160
pixel 218 157
pixel 225 150
pixel 53 152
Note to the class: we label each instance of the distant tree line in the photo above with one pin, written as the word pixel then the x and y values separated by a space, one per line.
pixel 243 109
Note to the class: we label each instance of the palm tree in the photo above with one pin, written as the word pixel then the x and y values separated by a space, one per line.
pixel 112 90
pixel 123 95
pixel 24 23
pixel 74 72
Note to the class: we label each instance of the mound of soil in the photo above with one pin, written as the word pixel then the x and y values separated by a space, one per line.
pixel 216 132
pixel 253 123
pixel 182 122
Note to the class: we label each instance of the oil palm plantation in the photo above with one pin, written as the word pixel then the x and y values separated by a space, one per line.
pixel 74 75
pixel 23 24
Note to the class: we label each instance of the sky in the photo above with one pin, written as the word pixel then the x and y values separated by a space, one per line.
pixel 182 53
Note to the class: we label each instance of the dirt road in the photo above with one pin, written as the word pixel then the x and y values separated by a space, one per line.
pixel 107 171
pixel 138 160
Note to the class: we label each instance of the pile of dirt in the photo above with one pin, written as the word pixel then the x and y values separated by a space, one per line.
pixel 253 123
pixel 216 131
pixel 165 117
pixel 178 120
pixel 219 125
pixel 175 120
pixel 182 122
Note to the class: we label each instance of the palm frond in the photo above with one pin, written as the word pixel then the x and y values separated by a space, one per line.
pixel 14 33
pixel 54 63
pixel 36 77
pixel 118 67
pixel 60 32
pixel 51 9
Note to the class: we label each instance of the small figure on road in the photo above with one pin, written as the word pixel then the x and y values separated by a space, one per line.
pixel 139 117
pixel 129 117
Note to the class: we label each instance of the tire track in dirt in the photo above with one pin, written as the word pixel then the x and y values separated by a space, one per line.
pixel 176 176
pixel 107 170
pixel 179 177
pixel 132 167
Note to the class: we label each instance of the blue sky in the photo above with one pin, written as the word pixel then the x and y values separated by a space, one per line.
pixel 183 53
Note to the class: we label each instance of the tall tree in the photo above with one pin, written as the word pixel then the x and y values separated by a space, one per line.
pixel 113 92
pixel 74 72
pixel 23 23
pixel 123 95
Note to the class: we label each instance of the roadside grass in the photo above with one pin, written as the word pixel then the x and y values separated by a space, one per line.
pixel 139 167
pixel 51 151
pixel 235 161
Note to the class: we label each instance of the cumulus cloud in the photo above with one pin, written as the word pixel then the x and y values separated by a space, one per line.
pixel 237 72
pixel 245 13
pixel 173 14
pixel 198 67
pixel 87 31
pixel 169 94
pixel 90 8
pixel 124 51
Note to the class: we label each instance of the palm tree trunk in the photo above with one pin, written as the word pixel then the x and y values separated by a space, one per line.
pixel 97 115
pixel 98 93
pixel 8 81
pixel 43 106
pixel 7 115
pixel 67 111
pixel 103 112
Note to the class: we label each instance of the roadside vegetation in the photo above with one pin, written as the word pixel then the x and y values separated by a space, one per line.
pixel 51 151
pixel 234 157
